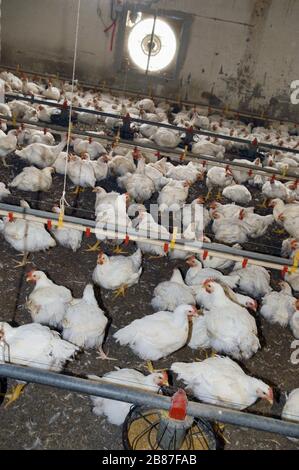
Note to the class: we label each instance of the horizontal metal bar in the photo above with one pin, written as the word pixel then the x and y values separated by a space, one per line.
pixel 214 249
pixel 100 86
pixel 138 397
pixel 261 145
pixel 190 157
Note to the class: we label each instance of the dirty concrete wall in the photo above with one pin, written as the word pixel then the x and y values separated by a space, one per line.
pixel 241 52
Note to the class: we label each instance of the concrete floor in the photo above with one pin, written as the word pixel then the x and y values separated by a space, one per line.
pixel 45 418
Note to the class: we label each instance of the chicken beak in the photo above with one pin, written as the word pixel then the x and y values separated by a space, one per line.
pixel 165 382
pixel 270 397
pixel 29 277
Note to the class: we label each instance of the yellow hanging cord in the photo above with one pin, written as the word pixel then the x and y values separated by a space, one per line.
pixel 294 268
pixel 284 171
pixel 60 218
pixel 174 237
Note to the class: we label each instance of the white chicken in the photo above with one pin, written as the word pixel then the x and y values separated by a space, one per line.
pixel 204 147
pixel 118 272
pixel 116 411
pixel 189 172
pixel 168 295
pixel 4 191
pixel 33 179
pixel 51 92
pixel 218 177
pixel 253 280
pixel 67 237
pixel 41 155
pixel 196 274
pixel 166 138
pixel 8 144
pixel 237 193
pixel 120 165
pixel 100 168
pixel 225 325
pixel 221 381
pixel 80 171
pixel 90 146
pixel 294 322
pixel 148 228
pixel 158 335
pixel 290 410
pixel 25 236
pixel 84 322
pixel 274 189
pixel 279 307
pixel 139 186
pixel 48 302
pixel 36 346
pixel 173 195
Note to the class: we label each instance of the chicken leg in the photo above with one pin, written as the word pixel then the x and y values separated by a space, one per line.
pixel 78 190
pixel 14 394
pixel 118 250
pixel 95 247
pixel 208 195
pixel 121 291
pixel 102 355
pixel 219 428
pixel 279 231
pixel 218 196
pixel 5 164
pixel 264 204
pixel 21 264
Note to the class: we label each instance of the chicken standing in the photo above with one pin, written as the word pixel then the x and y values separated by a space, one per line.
pixel 48 302
pixel 26 236
pixel 224 326
pixel 84 322
pixel 118 272
pixel 8 144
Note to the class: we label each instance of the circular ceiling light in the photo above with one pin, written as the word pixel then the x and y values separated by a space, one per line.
pixel 163 46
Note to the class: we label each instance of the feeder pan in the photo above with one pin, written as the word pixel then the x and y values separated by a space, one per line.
pixel 153 429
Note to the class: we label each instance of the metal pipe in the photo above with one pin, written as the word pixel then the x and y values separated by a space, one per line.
pixel 152 123
pixel 289 176
pixel 138 397
pixel 214 249
pixel 96 86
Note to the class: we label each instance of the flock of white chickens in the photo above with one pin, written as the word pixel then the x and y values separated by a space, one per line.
pixel 226 293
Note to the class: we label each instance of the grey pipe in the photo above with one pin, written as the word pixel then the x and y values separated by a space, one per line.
pixel 217 247
pixel 99 87
pixel 261 145
pixel 137 397
pixel 172 154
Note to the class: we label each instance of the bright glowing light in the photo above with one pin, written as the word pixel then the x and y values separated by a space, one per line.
pixel 163 47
